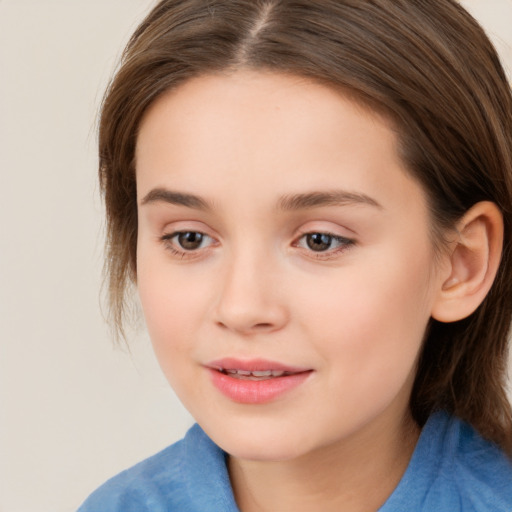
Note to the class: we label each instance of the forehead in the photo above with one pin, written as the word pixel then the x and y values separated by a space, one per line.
pixel 248 130
pixel 265 95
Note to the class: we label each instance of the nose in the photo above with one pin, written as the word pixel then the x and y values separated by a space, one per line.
pixel 251 300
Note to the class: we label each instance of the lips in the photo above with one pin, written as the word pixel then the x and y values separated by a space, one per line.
pixel 255 381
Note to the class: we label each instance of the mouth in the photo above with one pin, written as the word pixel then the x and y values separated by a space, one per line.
pixel 256 381
pixel 255 375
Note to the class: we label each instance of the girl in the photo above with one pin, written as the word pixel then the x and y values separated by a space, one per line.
pixel 314 199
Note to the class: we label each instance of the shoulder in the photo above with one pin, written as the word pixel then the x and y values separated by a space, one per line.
pixel 481 472
pixel 454 468
pixel 141 487
pixel 173 479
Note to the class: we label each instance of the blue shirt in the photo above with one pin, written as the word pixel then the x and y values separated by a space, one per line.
pixel 452 469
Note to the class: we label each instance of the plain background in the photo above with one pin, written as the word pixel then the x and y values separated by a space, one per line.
pixel 74 410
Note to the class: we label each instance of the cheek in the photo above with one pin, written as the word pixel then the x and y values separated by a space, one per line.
pixel 171 303
pixel 371 319
pixel 172 311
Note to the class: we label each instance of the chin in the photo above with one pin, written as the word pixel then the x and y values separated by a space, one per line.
pixel 258 444
pixel 257 451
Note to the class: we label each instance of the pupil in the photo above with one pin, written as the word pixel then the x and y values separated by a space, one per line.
pixel 319 241
pixel 190 240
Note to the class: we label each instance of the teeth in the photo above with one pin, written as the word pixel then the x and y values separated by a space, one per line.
pixel 266 373
pixel 255 373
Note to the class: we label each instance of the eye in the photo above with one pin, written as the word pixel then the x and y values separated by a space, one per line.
pixel 324 242
pixel 190 240
pixel 319 241
pixel 186 241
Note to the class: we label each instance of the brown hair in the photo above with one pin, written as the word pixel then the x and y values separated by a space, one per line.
pixel 427 64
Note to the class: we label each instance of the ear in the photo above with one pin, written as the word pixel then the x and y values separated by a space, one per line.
pixel 471 263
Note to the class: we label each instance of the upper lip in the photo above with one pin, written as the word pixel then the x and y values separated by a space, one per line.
pixel 253 365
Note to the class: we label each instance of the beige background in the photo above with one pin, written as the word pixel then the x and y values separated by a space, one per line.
pixel 74 411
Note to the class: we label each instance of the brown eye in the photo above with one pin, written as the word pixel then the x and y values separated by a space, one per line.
pixel 319 241
pixel 324 244
pixel 190 240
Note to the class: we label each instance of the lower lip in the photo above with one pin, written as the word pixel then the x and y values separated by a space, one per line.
pixel 256 391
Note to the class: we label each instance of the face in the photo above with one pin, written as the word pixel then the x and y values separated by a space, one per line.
pixel 284 261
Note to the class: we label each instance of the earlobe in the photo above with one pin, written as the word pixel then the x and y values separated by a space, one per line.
pixel 473 261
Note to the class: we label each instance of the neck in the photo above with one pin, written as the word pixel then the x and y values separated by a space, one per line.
pixel 354 475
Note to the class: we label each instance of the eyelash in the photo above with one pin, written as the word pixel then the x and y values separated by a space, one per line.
pixel 345 244
pixel 184 254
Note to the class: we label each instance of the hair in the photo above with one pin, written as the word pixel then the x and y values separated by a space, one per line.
pixel 427 64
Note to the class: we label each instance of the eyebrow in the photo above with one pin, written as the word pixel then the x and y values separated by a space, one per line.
pixel 289 202
pixel 329 198
pixel 162 195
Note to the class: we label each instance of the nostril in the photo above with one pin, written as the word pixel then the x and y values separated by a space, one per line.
pixel 255 326
pixel 263 325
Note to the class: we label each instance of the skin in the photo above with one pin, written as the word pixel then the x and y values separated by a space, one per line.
pixel 355 313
